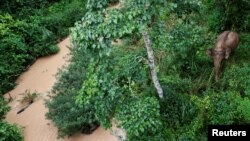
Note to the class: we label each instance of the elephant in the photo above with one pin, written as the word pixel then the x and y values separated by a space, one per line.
pixel 226 43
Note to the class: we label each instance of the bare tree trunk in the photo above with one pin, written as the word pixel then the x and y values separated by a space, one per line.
pixel 152 64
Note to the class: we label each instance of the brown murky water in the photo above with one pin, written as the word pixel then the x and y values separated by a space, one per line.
pixel 40 77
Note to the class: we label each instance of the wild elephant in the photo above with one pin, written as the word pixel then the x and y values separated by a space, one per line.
pixel 225 44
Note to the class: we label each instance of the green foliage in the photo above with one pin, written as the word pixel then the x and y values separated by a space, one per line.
pixel 62 15
pixel 99 86
pixel 178 110
pixel 16 52
pixel 241 83
pixel 139 116
pixel 223 108
pixel 70 82
pixel 94 34
pixel 78 118
pixel 99 89
pixel 184 47
pixel 99 41
pixel 186 116
pixel 244 110
pixel 225 15
pixel 114 79
pixel 3 108
pixel 97 4
pixel 9 132
pixel 185 7
pixel 22 42
pixel 22 8
pixel 30 29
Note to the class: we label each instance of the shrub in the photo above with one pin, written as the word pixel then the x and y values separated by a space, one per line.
pixel 223 108
pixel 244 110
pixel 226 15
pixel 16 55
pixel 97 5
pixel 22 42
pixel 32 32
pixel 178 110
pixel 10 132
pixel 78 118
pixel 139 117
pixel 185 7
pixel 3 108
pixel 62 15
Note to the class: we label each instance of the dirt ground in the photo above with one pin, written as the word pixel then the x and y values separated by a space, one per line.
pixel 40 77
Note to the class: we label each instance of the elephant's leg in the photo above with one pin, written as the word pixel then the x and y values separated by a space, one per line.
pixel 227 53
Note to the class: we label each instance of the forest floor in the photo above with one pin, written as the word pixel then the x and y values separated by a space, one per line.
pixel 40 78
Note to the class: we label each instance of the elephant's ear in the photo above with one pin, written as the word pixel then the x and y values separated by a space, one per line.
pixel 209 52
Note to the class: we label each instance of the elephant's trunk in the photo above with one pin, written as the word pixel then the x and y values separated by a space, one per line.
pixel 217 67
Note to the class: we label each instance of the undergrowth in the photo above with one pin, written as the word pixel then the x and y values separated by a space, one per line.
pixel 113 81
pixel 30 29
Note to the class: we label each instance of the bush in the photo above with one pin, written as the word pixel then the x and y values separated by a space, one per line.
pixel 223 108
pixel 22 42
pixel 178 110
pixel 32 32
pixel 3 108
pixel 185 7
pixel 139 117
pixel 78 118
pixel 226 15
pixel 9 132
pixel 62 15
pixel 244 110
pixel 97 5
pixel 16 55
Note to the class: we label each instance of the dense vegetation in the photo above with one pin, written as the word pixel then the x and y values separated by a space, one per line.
pixel 30 29
pixel 108 81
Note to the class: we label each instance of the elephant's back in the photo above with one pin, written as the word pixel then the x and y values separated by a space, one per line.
pixel 227 39
pixel 232 40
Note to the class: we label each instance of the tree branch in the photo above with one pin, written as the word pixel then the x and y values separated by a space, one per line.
pixel 151 62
